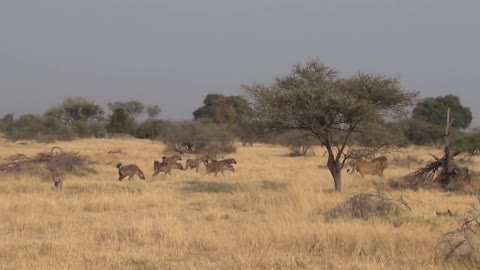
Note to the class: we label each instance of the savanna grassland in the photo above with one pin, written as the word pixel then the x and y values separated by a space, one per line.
pixel 266 215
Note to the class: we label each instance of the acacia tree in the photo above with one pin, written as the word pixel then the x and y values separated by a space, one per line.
pixel 153 111
pixel 433 110
pixel 75 109
pixel 133 108
pixel 314 99
pixel 223 109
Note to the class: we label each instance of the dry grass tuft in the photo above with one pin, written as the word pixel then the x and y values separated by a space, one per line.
pixel 463 244
pixel 40 163
pixel 366 206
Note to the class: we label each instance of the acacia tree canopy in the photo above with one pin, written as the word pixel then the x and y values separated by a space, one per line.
pixel 133 108
pixel 433 110
pixel 223 109
pixel 153 111
pixel 314 99
pixel 75 109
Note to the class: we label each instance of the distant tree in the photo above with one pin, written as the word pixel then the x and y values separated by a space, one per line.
pixel 133 108
pixel 379 136
pixel 34 127
pixel 121 122
pixel 151 129
pixel 199 137
pixel 223 109
pixel 74 109
pixel 153 111
pixel 6 122
pixel 315 100
pixel 420 132
pixel 433 110
pixel 248 131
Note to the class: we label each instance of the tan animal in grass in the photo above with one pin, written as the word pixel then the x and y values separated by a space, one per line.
pixel 130 171
pixel 165 167
pixel 194 163
pixel 374 167
pixel 216 166
pixel 383 163
pixel 57 177
pixel 56 172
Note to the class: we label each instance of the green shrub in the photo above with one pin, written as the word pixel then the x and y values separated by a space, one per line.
pixel 469 143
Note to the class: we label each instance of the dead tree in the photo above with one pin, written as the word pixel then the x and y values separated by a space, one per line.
pixel 449 165
pixel 443 170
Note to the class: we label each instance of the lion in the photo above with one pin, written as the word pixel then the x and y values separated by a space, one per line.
pixel 375 166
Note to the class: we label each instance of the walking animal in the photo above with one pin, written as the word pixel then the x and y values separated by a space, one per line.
pixel 130 171
pixel 165 166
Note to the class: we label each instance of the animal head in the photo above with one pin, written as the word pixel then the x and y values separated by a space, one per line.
pixel 119 165
pixel 205 161
pixel 141 175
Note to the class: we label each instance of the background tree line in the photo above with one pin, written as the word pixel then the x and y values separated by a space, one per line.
pixel 311 106
pixel 78 117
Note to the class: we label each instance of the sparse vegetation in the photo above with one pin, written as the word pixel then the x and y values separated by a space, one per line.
pixel 469 143
pixel 268 214
pixel 270 211
pixel 462 245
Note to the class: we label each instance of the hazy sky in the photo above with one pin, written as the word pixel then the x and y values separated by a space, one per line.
pixel 172 53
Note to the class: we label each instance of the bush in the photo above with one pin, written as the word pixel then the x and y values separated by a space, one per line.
pixel 377 135
pixel 463 243
pixel 32 127
pixel 298 142
pixel 366 206
pixel 84 129
pixel 151 129
pixel 419 132
pixel 247 131
pixel 469 143
pixel 199 137
pixel 45 162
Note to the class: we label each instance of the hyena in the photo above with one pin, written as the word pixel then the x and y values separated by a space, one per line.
pixel 165 167
pixel 216 166
pixel 194 163
pixel 130 171
pixel 172 159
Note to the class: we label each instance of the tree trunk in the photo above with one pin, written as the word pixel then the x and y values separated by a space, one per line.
pixel 336 172
pixel 448 166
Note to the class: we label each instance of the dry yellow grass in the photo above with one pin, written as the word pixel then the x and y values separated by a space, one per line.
pixel 267 215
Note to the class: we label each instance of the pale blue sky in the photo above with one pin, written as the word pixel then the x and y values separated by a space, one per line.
pixel 172 53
